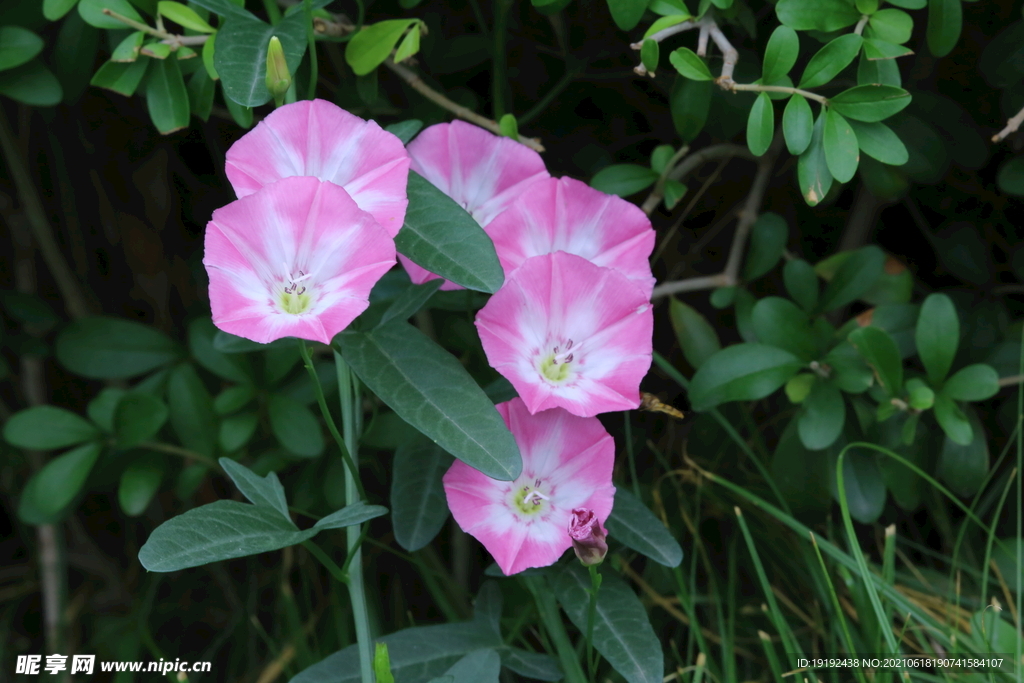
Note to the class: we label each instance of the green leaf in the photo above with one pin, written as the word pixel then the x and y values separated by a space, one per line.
pixel 509 127
pixel 696 336
pixel 919 395
pixel 841 152
pixel 183 16
pixel 857 274
pixel 669 8
pixel 881 353
pixel 650 54
pixel 1011 176
pixel 138 418
pixel 689 65
pixel 799 387
pixel 797 124
pixel 623 179
pixel 743 372
pixel 417 494
pixel 265 492
pixel 17 46
pixel 849 372
pixel 225 8
pixel 110 348
pixel 635 526
pixel 219 531
pixel 973 383
pixel 660 157
pixel 139 484
pixel 60 480
pixel 241 55
pixel 801 283
pixel 192 414
pixel 92 12
pixel 760 125
pixel 47 427
pixel 864 485
pixel 891 25
pixel 405 130
pixel 156 50
pixel 952 420
pixel 209 52
pixel 201 335
pixel 295 427
pixel 32 84
pixel 431 390
pixel 128 49
pixel 622 630
pixel 937 335
pixel 236 430
pixel 123 79
pixel 830 60
pixel 744 305
pixel 909 4
pixel 627 13
pixel 440 236
pixel 663 23
pixel 822 418
pixel 780 54
pixel 410 301
pixel 877 140
pixel 945 20
pixel 371 46
pixel 866 6
pixel 674 191
pixel 689 103
pixel 166 96
pixel 870 102
pixel 482 666
pixel 768 238
pixel 350 515
pixel 410 45
pixel 74 60
pixel 56 9
pixel 880 50
pixel 812 168
pixel 816 15
pixel 780 323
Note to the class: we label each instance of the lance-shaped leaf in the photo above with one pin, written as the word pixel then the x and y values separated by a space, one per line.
pixel 264 492
pixel 417 494
pixel 432 391
pixel 636 527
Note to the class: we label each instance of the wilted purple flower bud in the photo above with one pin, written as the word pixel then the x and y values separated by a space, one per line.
pixel 588 538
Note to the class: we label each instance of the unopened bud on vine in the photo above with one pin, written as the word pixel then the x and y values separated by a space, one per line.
pixel 279 79
pixel 588 538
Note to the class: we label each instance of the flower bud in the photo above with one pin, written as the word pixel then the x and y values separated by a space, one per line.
pixel 279 79
pixel 588 537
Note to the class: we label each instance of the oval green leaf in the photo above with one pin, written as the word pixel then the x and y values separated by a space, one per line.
pixel 881 353
pixel 635 526
pixel 856 275
pixel 822 417
pixel 760 125
pixel 797 124
pixel 780 323
pixel 801 283
pixel 627 13
pixel 32 84
pixel 973 383
pixel 123 79
pixel 428 388
pixel 816 15
pixel 891 25
pixel 418 503
pixel 192 414
pixel 371 46
pixel 870 102
pixel 295 426
pixel 878 141
pixel 167 97
pixel 830 60
pixel 139 484
pixel 92 12
pixel 953 420
pixel 945 20
pixel 768 238
pixel 17 46
pixel 109 348
pixel 137 418
pixel 60 480
pixel 184 16
pixel 47 427
pixel 937 336
pixel 440 236
pixel 689 65
pixel 841 152
pixel 623 179
pixel 812 168
pixel 780 54
pixel 743 372
pixel 696 336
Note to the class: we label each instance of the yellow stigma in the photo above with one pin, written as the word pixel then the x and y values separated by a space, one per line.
pixel 295 303
pixel 528 500
pixel 553 370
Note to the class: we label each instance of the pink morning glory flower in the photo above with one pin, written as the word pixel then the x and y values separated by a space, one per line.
pixel 319 139
pixel 567 333
pixel 481 171
pixel 562 214
pixel 296 259
pixel 567 464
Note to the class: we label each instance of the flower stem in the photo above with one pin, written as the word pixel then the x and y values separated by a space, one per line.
pixel 547 605
pixel 316 551
pixel 307 360
pixel 351 421
pixel 595 586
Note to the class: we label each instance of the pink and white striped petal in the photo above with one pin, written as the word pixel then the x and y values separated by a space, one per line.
pixel 567 463
pixel 319 139
pixel 481 171
pixel 562 214
pixel 297 258
pixel 567 333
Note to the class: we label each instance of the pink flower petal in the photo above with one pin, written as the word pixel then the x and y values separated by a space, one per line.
pixel 317 138
pixel 562 214
pixel 567 333
pixel 296 259
pixel 567 463
pixel 481 171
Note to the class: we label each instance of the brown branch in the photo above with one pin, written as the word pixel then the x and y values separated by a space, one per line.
pixel 417 84
pixel 747 216
pixel 1011 126
pixel 691 163
pixel 172 39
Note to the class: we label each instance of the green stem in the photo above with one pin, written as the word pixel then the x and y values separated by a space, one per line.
pixel 307 7
pixel 350 464
pixel 273 11
pixel 316 551
pixel 547 605
pixel 542 104
pixel 595 586
pixel 348 390
pixel 499 82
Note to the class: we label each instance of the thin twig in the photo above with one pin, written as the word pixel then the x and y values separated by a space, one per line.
pixel 859 28
pixel 1011 380
pixel 172 39
pixel 691 163
pixel 755 87
pixel 1011 126
pixel 417 84
pixel 747 216
pixel 729 54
